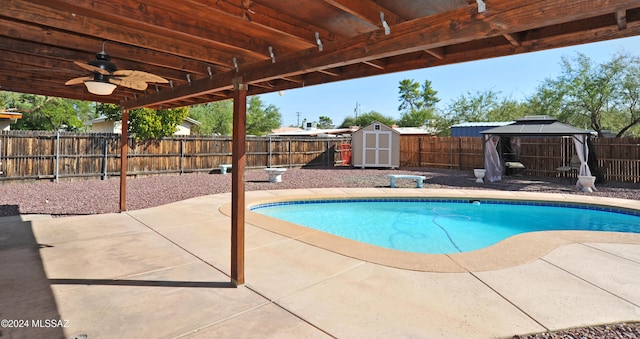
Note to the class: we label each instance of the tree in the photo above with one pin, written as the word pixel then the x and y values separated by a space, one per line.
pixel 508 110
pixel 262 120
pixel 547 100
pixel 629 102
pixel 325 122
pixel 429 95
pixel 348 122
pixel 597 96
pixel 417 102
pixel 146 123
pixel 474 107
pixel 368 118
pixel 409 95
pixel 416 118
pixel 48 113
pixel 442 123
pixel 214 117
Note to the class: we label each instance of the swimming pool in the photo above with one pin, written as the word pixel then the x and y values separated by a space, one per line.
pixel 444 226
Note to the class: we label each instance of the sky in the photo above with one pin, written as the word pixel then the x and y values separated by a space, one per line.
pixel 514 77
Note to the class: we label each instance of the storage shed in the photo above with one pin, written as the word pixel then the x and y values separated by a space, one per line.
pixel 376 145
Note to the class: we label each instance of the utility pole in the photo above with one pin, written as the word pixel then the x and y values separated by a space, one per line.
pixel 298 114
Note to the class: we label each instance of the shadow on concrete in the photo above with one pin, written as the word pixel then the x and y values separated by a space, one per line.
pixel 28 308
pixel 154 283
pixel 9 210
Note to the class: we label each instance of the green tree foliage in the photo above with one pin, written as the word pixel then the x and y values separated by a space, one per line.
pixel 367 119
pixel 416 118
pixel 409 95
pixel 146 123
pixel 348 122
pixel 262 120
pixel 325 122
pixel 547 100
pixel 48 113
pixel 417 102
pixel 629 103
pixel 597 96
pixel 474 107
pixel 485 106
pixel 215 117
pixel 429 95
pixel 442 123
pixel 508 110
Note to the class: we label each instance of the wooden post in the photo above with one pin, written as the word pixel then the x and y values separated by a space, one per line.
pixel 459 153
pixel 238 159
pixel 124 147
pixel 419 151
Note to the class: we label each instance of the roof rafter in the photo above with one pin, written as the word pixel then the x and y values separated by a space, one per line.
pixel 454 27
pixel 366 10
pixel 66 19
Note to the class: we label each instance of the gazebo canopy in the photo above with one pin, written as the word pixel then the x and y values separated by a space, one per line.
pixel 536 125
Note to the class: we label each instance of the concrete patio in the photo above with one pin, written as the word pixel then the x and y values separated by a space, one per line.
pixel 163 272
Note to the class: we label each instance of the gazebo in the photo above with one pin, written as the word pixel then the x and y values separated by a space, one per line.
pixel 502 144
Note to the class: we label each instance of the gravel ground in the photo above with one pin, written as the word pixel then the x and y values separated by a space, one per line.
pixel 80 197
pixel 612 331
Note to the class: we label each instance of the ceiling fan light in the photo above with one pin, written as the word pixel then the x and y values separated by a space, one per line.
pixel 100 87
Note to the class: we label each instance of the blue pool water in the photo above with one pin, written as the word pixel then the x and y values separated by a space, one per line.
pixel 440 227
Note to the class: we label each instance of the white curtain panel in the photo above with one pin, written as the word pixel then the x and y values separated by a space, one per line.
pixel 580 142
pixel 492 163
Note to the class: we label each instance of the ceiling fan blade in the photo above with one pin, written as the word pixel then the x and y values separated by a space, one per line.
pixel 79 80
pixel 91 68
pixel 140 76
pixel 126 82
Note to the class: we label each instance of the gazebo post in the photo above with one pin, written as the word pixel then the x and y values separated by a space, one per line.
pixel 237 181
pixel 124 146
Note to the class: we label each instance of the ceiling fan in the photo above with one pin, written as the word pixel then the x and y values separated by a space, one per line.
pixel 106 76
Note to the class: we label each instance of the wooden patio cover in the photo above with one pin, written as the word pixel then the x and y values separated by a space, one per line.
pixel 214 50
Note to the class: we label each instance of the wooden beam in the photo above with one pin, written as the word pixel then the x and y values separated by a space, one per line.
pixel 621 19
pixel 184 20
pixel 366 10
pixel 437 53
pixel 285 29
pixel 159 40
pixel 375 64
pixel 513 39
pixel 124 147
pixel 581 32
pixel 68 47
pixel 238 159
pixel 436 31
pixel 332 73
pixel 573 33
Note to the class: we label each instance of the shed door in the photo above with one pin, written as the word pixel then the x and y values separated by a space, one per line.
pixel 377 149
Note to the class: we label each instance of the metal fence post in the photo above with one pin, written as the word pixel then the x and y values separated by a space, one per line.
pixel 181 156
pixel 269 160
pixel 104 158
pixel 451 154
pixel 327 153
pixel 290 155
pixel 57 154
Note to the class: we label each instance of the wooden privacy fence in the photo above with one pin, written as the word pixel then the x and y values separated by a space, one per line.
pixel 618 158
pixel 461 153
pixel 50 155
